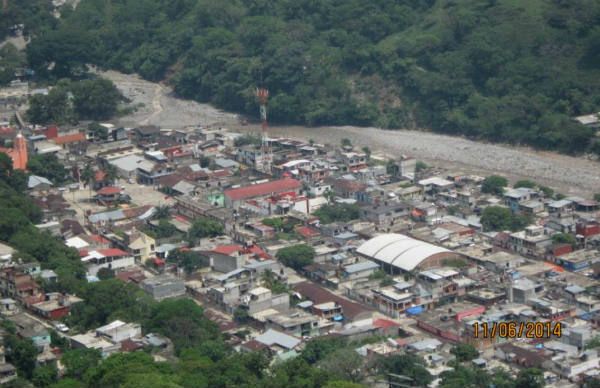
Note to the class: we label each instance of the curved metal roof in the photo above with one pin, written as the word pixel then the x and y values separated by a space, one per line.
pixel 399 250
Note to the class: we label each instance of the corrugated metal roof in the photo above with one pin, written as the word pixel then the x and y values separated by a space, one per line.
pixel 274 337
pixel 399 250
pixel 127 163
pixel 359 267
pixel 35 180
pixel 113 215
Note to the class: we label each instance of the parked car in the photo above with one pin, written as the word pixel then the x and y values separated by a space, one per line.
pixel 62 327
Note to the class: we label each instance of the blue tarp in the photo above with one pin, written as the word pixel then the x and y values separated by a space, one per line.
pixel 416 310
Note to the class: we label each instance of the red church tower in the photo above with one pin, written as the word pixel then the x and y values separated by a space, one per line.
pixel 19 153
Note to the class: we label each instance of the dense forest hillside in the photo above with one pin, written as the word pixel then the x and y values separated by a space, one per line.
pixel 501 70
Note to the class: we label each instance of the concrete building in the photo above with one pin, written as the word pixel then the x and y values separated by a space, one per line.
pixel 141 246
pixel 531 241
pixel 91 340
pixel 111 258
pixel 164 286
pixel 522 290
pixel 579 260
pixel 118 331
pixel 359 270
pixel 27 327
pixel 225 263
pixel 296 324
pixel 260 299
pixel 127 166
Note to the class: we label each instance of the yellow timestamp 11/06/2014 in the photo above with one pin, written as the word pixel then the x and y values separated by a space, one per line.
pixel 517 329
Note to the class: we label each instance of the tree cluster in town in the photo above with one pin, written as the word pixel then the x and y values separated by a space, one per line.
pixel 68 102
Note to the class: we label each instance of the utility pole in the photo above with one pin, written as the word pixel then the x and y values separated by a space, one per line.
pixel 262 95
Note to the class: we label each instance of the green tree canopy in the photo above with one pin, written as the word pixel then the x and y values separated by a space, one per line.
pixel 458 68
pixel 338 212
pixel 22 354
pixel 525 183
pixel 296 256
pixel 530 378
pixel 319 348
pixel 347 364
pixel 494 184
pixel 95 99
pixel 183 322
pixel 204 227
pixel 48 166
pixel 190 261
pixel 97 131
pixel 67 102
pixel 407 365
pixel 564 238
pixel 106 273
pixel 464 352
pixel 44 376
pixel 497 218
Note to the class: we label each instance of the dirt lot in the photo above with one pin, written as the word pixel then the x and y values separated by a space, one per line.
pixel 569 175
pixel 140 196
pixel 160 107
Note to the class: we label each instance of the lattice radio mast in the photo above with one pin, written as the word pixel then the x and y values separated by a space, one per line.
pixel 262 95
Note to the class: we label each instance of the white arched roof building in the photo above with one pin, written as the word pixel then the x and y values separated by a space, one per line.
pixel 400 253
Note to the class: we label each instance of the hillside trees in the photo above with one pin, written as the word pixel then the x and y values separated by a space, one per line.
pixel 480 70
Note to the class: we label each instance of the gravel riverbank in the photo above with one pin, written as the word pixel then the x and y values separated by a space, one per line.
pixel 568 175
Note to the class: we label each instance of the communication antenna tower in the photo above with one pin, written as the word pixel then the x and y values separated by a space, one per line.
pixel 262 95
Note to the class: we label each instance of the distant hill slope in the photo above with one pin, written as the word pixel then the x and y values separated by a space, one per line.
pixel 503 70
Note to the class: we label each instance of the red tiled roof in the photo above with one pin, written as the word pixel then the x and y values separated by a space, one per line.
pixel 349 186
pixel 135 276
pixel 98 239
pixel 221 173
pixel 109 190
pixel 307 231
pixel 72 138
pixel 28 285
pixel 111 252
pixel 99 176
pixel 263 189
pixel 254 345
pixel 385 323
pixel 7 131
pixel 256 250
pixel 227 249
pixel 130 346
pixel 417 213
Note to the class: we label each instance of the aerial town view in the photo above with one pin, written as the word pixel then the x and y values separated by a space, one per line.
pixel 299 193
